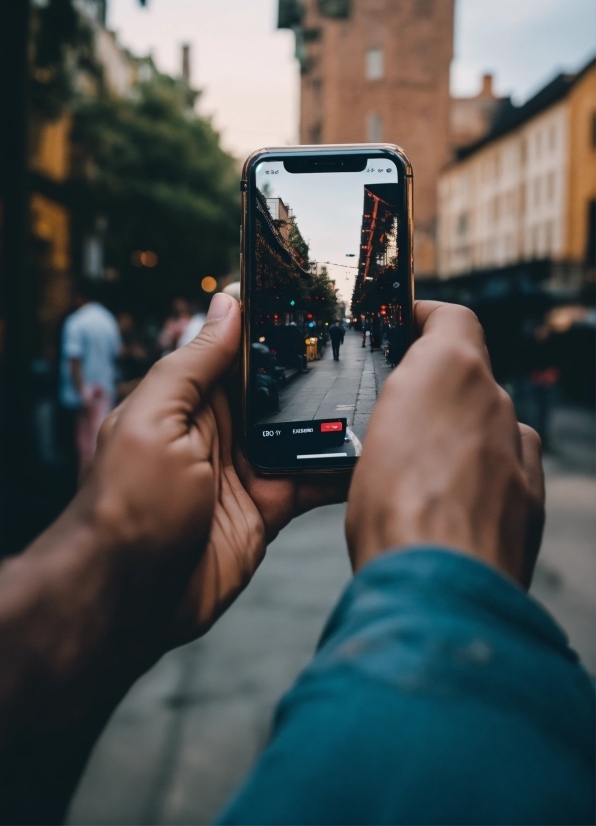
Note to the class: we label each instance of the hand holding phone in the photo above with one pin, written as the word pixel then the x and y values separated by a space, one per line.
pixel 328 296
pixel 468 476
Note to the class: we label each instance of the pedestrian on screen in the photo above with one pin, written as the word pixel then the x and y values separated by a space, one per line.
pixel 336 334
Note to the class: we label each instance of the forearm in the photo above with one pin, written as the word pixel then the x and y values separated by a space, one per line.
pixel 64 664
pixel 434 688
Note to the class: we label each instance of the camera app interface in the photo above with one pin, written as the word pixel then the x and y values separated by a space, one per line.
pixel 329 309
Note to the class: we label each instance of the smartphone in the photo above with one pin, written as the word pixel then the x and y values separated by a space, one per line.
pixel 327 293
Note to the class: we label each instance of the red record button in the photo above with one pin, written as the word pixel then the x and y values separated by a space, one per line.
pixel 330 427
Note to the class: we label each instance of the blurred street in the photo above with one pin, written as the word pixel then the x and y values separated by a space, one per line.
pixel 189 730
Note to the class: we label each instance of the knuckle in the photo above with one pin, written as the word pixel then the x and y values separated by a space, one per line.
pixel 161 367
pixel 106 428
pixel 135 439
pixel 208 337
pixel 468 359
pixel 465 313
pixel 531 435
pixel 506 402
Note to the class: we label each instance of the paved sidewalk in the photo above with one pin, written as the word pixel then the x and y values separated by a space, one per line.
pixel 189 730
pixel 347 388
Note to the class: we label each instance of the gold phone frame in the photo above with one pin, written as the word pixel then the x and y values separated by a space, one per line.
pixel 315 149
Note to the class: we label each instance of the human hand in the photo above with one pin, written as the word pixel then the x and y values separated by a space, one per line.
pixel 168 527
pixel 444 460
pixel 172 495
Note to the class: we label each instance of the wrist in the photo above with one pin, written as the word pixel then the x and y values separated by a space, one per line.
pixel 61 608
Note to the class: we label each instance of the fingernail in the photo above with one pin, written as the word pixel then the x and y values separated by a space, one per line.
pixel 219 307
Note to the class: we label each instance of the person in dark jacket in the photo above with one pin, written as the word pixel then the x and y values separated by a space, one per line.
pixel 336 334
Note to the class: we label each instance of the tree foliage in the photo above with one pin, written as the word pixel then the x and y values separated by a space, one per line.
pixel 61 44
pixel 158 173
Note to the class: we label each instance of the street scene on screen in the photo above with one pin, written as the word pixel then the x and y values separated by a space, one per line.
pixel 328 320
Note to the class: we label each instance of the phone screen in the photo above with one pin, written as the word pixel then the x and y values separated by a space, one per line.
pixel 330 305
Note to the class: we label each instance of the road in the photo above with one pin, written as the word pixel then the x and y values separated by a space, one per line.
pixel 189 730
pixel 347 388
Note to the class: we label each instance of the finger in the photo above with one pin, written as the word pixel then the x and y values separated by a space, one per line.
pixel 316 492
pixel 185 377
pixel 531 451
pixel 452 323
pixel 532 462
pixel 280 499
pixel 221 410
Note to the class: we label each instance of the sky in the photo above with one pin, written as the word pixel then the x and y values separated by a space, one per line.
pixel 249 76
pixel 328 211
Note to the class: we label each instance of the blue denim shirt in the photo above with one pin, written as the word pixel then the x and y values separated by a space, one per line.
pixel 440 693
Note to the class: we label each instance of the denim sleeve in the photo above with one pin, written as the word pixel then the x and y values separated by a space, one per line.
pixel 440 693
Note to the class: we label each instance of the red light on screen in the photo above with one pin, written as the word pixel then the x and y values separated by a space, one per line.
pixel 331 427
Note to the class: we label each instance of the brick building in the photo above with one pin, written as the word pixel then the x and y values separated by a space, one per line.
pixel 378 71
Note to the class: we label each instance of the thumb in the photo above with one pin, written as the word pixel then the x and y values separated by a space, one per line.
pixel 186 376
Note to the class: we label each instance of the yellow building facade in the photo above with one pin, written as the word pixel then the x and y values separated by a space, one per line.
pixel 526 191
pixel 50 225
pixel 581 189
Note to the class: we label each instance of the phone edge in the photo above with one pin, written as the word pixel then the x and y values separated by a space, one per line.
pixel 250 161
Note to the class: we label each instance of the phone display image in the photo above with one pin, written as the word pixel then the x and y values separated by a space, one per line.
pixel 330 305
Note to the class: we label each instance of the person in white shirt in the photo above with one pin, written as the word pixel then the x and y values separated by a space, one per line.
pixel 90 347
pixel 192 329
pixel 195 325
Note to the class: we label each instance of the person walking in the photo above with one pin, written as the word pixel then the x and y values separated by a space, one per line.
pixel 91 344
pixel 336 334
pixel 175 325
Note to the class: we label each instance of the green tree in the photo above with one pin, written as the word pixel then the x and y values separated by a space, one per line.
pixel 297 244
pixel 157 171
pixel 322 298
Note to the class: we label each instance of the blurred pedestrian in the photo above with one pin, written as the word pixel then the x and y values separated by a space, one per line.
pixel 193 328
pixel 175 325
pixel 336 334
pixel 375 333
pixel 91 344
pixel 135 355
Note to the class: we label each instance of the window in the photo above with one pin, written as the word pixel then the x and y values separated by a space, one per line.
pixel 374 64
pixel 550 186
pixel 537 192
pixel 549 232
pixel 522 198
pixel 338 9
pixel 374 128
pixel 553 137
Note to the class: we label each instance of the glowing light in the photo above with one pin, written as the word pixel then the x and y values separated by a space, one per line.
pixel 261 339
pixel 149 259
pixel 292 303
pixel 209 284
